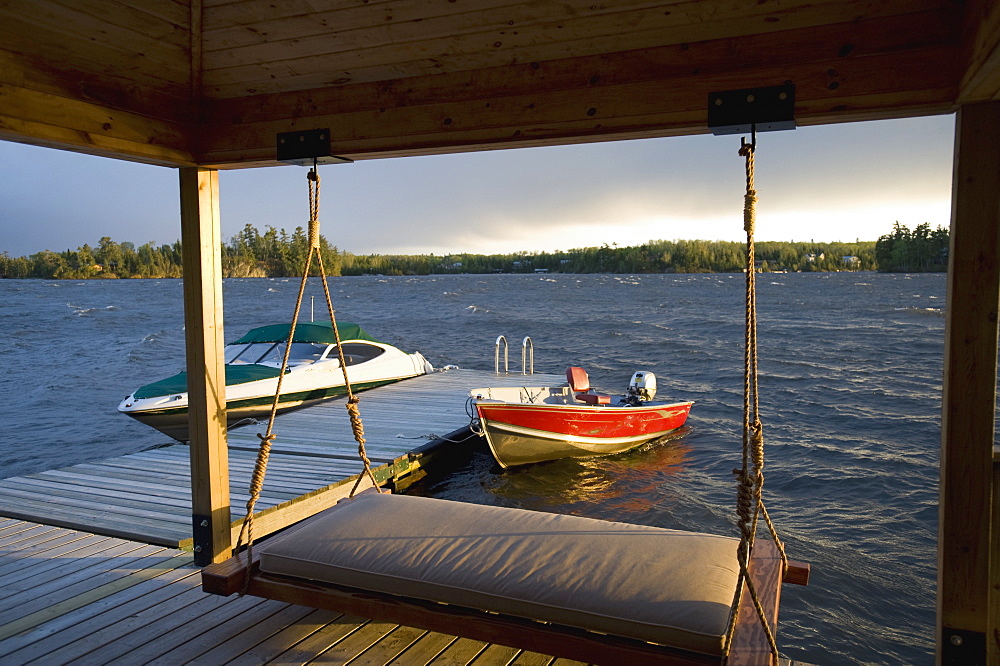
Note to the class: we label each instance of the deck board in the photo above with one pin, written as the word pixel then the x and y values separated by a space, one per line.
pixel 146 496
pixel 89 572
pixel 390 646
pixel 317 647
pixel 130 603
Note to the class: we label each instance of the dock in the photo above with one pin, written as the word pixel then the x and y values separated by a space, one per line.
pixel 67 596
pixel 95 561
pixel 146 496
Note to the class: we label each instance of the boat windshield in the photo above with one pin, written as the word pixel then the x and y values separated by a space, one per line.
pixel 302 353
pixel 232 351
pixel 359 352
pixel 244 354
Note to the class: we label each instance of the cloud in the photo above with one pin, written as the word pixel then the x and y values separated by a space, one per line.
pixel 835 182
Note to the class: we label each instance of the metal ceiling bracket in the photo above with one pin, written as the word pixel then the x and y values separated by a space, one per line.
pixel 307 148
pixel 739 111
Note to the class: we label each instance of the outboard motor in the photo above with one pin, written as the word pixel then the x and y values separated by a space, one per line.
pixel 641 388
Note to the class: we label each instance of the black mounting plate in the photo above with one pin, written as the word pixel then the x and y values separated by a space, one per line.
pixel 307 147
pixel 764 109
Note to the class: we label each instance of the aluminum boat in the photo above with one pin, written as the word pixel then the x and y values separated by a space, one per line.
pixel 534 424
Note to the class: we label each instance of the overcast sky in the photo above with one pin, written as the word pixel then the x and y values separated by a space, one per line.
pixel 835 182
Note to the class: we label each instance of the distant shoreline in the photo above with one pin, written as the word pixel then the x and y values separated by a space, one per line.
pixel 278 254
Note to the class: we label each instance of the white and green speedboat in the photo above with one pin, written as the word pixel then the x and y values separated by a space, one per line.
pixel 253 364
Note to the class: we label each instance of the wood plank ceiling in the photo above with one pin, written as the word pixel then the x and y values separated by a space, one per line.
pixel 211 82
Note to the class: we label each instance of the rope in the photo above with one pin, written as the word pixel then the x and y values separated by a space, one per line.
pixel 750 477
pixel 263 453
pixel 352 400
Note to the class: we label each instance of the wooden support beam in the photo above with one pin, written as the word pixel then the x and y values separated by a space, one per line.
pixel 993 618
pixel 981 52
pixel 293 511
pixel 964 625
pixel 201 238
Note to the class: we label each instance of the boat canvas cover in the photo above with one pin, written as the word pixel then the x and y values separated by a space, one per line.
pixel 235 374
pixel 313 332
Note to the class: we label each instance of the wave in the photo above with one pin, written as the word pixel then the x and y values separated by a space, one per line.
pixel 936 312
pixel 81 311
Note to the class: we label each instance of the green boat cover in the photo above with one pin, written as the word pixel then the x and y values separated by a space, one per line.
pixel 312 332
pixel 235 374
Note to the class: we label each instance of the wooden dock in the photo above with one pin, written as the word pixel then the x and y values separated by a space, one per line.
pixel 99 576
pixel 146 496
pixel 71 597
pixel 92 568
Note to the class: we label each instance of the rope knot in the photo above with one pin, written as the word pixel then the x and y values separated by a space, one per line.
pixel 749 211
pixel 314 233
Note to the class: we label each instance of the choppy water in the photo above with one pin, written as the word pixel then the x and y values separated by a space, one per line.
pixel 850 398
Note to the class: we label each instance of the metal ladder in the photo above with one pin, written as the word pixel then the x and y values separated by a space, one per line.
pixel 527 356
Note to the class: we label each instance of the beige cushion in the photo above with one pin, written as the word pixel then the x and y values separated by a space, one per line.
pixel 653 584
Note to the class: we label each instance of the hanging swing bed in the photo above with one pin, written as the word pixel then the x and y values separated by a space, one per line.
pixel 568 586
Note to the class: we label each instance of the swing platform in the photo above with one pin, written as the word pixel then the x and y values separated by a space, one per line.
pixel 573 587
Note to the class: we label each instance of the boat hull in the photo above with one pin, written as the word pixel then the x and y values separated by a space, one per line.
pixel 520 434
pixel 310 360
pixel 173 421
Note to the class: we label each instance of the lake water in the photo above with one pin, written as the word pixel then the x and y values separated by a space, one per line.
pixel 850 399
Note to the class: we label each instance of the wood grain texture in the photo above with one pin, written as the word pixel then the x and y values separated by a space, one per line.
pixel 206 380
pixel 970 368
pixel 146 607
pixel 210 83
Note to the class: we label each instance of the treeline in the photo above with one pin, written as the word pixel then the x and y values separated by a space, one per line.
pixel 276 253
pixel 917 251
pixel 683 256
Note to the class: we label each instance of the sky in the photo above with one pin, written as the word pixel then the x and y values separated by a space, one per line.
pixel 842 182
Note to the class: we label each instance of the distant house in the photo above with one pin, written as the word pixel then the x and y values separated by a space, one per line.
pixel 851 261
pixel 812 257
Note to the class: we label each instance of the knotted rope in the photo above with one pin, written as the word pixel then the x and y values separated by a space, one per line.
pixel 263 453
pixel 750 477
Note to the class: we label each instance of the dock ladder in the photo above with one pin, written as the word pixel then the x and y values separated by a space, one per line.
pixel 527 356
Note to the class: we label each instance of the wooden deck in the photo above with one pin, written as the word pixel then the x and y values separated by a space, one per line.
pixel 72 597
pixel 71 594
pixel 91 569
pixel 147 496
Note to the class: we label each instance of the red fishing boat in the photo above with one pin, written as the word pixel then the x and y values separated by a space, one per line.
pixel 533 424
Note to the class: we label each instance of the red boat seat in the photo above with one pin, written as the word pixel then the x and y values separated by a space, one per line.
pixel 579 383
pixel 578 379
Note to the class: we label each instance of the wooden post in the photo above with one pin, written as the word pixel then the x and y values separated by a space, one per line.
pixel 201 240
pixel 965 626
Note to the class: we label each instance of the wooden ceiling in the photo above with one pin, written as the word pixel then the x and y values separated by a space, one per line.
pixel 211 82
